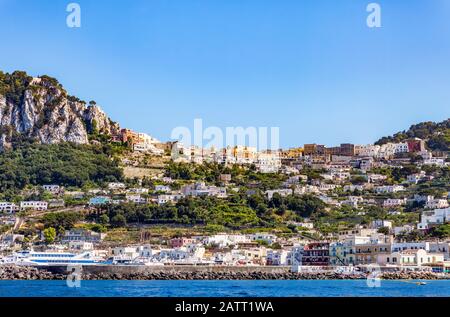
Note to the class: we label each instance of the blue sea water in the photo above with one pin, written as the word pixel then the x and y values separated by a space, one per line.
pixel 280 288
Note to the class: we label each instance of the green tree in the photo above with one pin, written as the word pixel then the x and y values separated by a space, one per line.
pixel 65 220
pixel 441 232
pixel 118 221
pixel 49 235
pixel 104 219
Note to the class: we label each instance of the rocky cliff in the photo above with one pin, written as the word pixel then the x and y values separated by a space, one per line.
pixel 40 108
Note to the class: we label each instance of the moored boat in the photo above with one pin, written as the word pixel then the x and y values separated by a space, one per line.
pixel 52 258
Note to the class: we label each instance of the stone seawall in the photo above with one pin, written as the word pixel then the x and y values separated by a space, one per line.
pixel 126 272
pixel 172 269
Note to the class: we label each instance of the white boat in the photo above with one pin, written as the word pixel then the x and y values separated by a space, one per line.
pixel 121 260
pixel 126 260
pixel 53 258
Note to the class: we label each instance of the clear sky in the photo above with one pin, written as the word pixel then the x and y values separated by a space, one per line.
pixel 312 67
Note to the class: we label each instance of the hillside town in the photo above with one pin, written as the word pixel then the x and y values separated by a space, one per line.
pixel 315 207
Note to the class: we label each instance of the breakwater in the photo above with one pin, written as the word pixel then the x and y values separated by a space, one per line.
pixel 125 272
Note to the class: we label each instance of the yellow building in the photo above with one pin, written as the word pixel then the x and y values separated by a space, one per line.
pixel 292 153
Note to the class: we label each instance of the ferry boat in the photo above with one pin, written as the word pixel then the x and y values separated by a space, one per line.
pixel 53 258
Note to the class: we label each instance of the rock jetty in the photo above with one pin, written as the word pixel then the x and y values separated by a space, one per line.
pixel 412 276
pixel 12 272
pixel 219 276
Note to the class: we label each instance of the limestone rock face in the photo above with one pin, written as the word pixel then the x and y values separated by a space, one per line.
pixel 97 119
pixel 43 110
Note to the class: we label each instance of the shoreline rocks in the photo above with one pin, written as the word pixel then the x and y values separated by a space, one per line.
pixel 412 276
pixel 12 272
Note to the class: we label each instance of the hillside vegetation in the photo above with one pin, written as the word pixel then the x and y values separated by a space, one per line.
pixel 66 164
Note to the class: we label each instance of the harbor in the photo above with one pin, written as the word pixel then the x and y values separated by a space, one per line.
pixel 197 272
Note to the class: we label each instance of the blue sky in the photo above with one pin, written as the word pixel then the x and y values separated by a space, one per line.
pixel 312 67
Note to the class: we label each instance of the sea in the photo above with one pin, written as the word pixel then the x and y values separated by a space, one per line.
pixel 232 288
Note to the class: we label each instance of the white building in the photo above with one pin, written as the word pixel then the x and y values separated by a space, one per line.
pixel 402 229
pixel 409 258
pixel 282 192
pixel 415 178
pixel 138 190
pixel 394 202
pixel 390 149
pixel 224 240
pixel 81 245
pixel 135 198
pixel 167 180
pixel 268 162
pixel 352 188
pixel 295 256
pixel 433 217
pixel 126 253
pixel 401 148
pixel 436 204
pixel 145 251
pixel 146 143
pixel 294 180
pixel 377 224
pixel 422 198
pixel 441 247
pixel 8 220
pixel 244 154
pixel 403 246
pixel 306 189
pixel 326 187
pixel 277 257
pixel 82 235
pixel 8 207
pixel 435 161
pixel 200 189
pixel 352 201
pixel 116 185
pixel 357 233
pixel 367 150
pixel 389 189
pixel 305 224
pixel 35 205
pixel 266 237
pixel 386 150
pixel 365 164
pixel 376 178
pixel 162 188
pixel 168 198
pixel 54 189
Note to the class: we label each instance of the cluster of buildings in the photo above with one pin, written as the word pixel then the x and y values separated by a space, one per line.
pixel 160 194
pixel 344 176
pixel 361 248
pixel 8 207
pixel 57 202
pixel 384 151
pixel 267 161
pixel 140 142
pixel 356 248
pixel 363 157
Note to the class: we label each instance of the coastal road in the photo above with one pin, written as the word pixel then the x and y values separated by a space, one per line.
pixel 42 213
